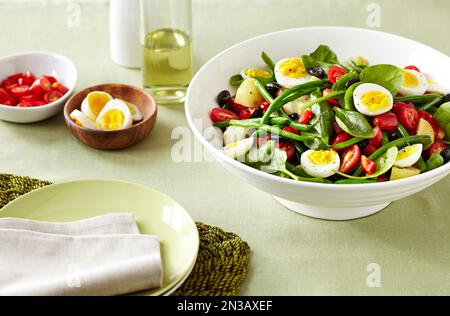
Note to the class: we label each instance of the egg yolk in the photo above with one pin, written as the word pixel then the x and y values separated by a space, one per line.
pixel 254 72
pixel 409 80
pixel 375 100
pixel 293 68
pixel 97 102
pixel 112 120
pixel 322 158
pixel 406 152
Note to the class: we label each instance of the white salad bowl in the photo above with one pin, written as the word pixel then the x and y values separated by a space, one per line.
pixel 325 201
pixel 39 63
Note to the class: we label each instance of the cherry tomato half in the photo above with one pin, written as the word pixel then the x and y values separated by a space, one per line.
pixel 377 140
pixel 400 106
pixel 51 79
pixel 386 121
pixel 368 165
pixel 441 134
pixel 28 104
pixel 408 117
pixel 336 128
pixel 20 91
pixel 40 86
pixel 413 68
pixel 291 130
pixel 60 87
pixel 370 149
pixel 288 148
pixel 264 105
pixel 332 102
pixel 222 115
pixel 350 158
pixel 15 77
pixel 52 96
pixel 27 79
pixel 436 148
pixel 6 98
pixel 306 116
pixel 335 73
pixel 30 98
pixel 340 138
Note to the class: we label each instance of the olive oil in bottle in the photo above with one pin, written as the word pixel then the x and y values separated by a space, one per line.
pixel 167 64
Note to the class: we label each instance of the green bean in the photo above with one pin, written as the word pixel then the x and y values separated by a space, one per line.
pixel 355 181
pixel 256 123
pixel 401 142
pixel 385 139
pixel 268 61
pixel 266 95
pixel 281 100
pixel 430 104
pixel 282 133
pixel 348 143
pixel 418 98
pixel 332 95
pixel 251 123
pixel 289 122
pixel 402 131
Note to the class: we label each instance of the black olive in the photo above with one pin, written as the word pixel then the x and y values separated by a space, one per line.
pixel 257 113
pixel 446 155
pixel 362 145
pixel 446 98
pixel 317 72
pixel 223 98
pixel 273 89
pixel 293 116
pixel 351 82
pixel 393 136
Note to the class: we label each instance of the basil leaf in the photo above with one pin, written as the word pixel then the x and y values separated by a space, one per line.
pixel 388 76
pixel 384 164
pixel 354 123
pixel 325 55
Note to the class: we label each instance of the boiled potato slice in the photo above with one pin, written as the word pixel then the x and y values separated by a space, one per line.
pixel 425 129
pixel 248 94
pixel 403 173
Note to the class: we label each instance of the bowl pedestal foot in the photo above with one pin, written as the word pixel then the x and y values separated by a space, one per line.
pixel 332 213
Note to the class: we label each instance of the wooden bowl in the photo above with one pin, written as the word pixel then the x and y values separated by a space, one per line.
pixel 113 140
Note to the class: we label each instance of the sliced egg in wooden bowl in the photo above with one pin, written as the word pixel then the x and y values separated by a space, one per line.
pixel 111 116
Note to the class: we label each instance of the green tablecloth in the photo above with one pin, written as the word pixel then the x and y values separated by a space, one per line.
pixel 292 254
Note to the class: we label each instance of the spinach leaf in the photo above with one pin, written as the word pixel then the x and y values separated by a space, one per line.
pixel 325 55
pixel 340 85
pixel 354 123
pixel 348 98
pixel 324 123
pixel 384 164
pixel 236 80
pixel 388 76
pixel 268 61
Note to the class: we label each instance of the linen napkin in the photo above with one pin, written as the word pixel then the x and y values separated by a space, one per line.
pixel 98 256
pixel 118 223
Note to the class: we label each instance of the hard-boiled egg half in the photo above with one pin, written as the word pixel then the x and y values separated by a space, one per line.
pixel 371 99
pixel 290 72
pixel 82 120
pixel 255 73
pixel 435 87
pixel 321 164
pixel 409 156
pixel 414 83
pixel 94 102
pixel 135 112
pixel 234 134
pixel 114 116
pixel 238 149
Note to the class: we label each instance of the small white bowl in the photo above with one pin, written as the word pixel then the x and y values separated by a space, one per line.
pixel 326 201
pixel 39 63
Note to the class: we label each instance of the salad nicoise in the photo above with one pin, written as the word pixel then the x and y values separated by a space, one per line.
pixel 315 119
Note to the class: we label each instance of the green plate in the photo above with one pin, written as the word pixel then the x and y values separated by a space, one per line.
pixel 156 214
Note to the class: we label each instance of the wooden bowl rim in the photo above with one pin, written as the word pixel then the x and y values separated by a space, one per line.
pixel 153 104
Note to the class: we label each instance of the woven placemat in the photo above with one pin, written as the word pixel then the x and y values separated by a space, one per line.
pixel 222 262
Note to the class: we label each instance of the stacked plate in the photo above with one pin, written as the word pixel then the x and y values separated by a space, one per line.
pixel 155 213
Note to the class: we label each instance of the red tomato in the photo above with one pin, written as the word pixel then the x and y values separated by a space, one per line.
pixel 408 117
pixel 430 119
pixel 60 87
pixel 291 130
pixel 436 148
pixel 350 158
pixel 335 73
pixel 55 95
pixel 28 104
pixel 377 140
pixel 340 138
pixel 386 122
pixel 382 178
pixel 51 79
pixel 30 97
pixel 27 79
pixel 441 134
pixel 368 165
pixel 332 102
pixel 264 105
pixel 20 91
pixel 40 86
pixel 15 78
pixel 7 83
pixel 306 116
pixel 413 68
pixel 222 115
pixel 400 106
pixel 6 98
pixel 288 148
